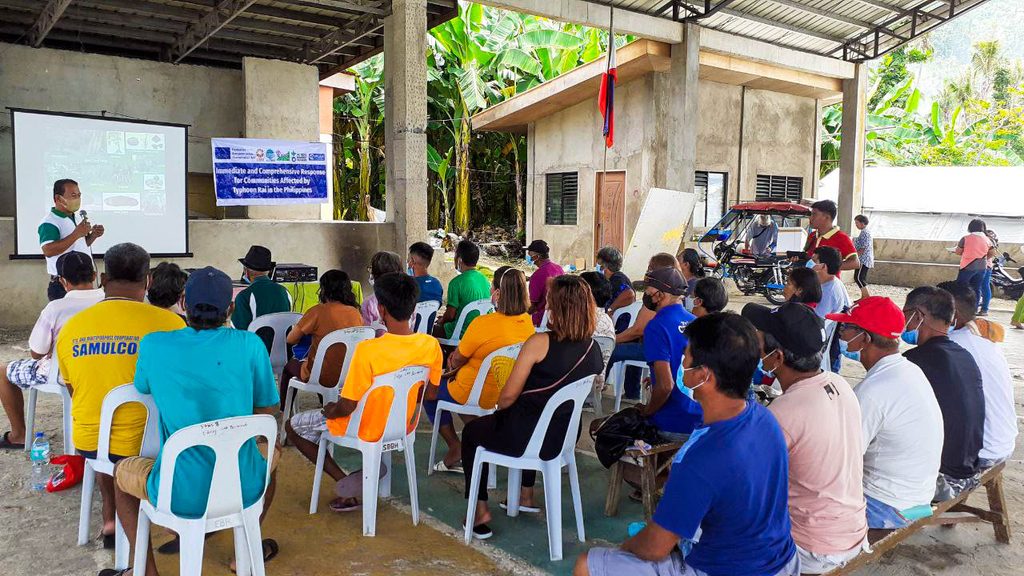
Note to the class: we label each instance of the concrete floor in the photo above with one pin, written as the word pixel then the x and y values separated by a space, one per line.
pixel 37 532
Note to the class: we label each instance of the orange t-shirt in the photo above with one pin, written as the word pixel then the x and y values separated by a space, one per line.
pixel 485 335
pixel 382 355
pixel 319 321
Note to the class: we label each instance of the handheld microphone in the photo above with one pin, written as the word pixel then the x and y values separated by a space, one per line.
pixel 83 214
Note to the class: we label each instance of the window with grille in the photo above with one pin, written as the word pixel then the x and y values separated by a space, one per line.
pixel 562 198
pixel 779 188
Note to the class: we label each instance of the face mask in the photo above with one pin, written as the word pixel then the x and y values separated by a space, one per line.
pixel 705 381
pixel 811 264
pixel 648 301
pixel 760 366
pixel 844 350
pixel 599 269
pixel 73 205
pixel 245 279
pixel 529 259
pixel 910 336
pixel 688 304
pixel 410 271
pixel 371 280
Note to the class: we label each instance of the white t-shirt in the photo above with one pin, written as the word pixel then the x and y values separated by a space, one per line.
pixel 56 226
pixel 997 384
pixel 52 319
pixel 834 298
pixel 903 433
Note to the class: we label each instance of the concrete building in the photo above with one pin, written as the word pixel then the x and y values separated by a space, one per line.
pixel 756 126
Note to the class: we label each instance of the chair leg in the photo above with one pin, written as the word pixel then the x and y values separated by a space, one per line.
pixel 433 441
pixel 553 507
pixel 648 485
pixel 515 486
pixel 410 472
pixel 121 546
pixel 193 543
pixel 474 495
pixel 385 482
pixel 141 541
pixel 243 563
pixel 577 500
pixel 254 539
pixel 598 409
pixel 492 476
pixel 69 443
pixel 318 473
pixel 30 418
pixel 289 398
pixel 85 509
pixel 619 370
pixel 611 501
pixel 997 504
pixel 371 484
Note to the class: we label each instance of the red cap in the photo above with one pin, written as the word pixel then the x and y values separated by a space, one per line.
pixel 876 314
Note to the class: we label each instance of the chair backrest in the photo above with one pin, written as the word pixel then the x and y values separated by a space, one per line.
pixel 607 345
pixel 403 383
pixel 830 331
pixel 127 394
pixel 485 369
pixel 278 323
pixel 577 393
pixel 347 336
pixel 481 307
pixel 543 327
pixel 423 318
pixel 630 312
pixel 225 437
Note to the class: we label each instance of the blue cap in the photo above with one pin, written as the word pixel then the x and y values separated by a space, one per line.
pixel 211 287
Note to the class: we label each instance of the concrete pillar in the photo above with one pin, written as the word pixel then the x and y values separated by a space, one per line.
pixel 282 103
pixel 812 192
pixel 405 120
pixel 851 152
pixel 676 100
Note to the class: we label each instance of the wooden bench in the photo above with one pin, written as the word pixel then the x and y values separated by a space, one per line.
pixel 946 513
pixel 650 468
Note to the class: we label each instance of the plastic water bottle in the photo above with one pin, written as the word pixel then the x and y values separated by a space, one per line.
pixel 40 456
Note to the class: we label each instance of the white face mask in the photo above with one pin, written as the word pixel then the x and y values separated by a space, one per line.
pixel 698 385
pixel 371 280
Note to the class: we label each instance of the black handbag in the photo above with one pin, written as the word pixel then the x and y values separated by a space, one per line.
pixel 619 431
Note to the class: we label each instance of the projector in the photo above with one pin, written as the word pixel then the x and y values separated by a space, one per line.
pixel 295 273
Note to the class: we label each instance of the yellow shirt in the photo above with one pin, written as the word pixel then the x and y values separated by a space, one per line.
pixel 485 335
pixel 97 349
pixel 382 355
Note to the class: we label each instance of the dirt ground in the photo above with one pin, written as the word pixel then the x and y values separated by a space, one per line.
pixel 38 532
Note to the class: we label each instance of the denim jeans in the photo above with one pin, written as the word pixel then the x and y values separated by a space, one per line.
pixel 986 289
pixel 972 278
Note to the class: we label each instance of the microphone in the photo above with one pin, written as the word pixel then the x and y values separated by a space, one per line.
pixel 83 214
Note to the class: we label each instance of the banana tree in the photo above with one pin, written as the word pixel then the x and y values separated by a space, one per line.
pixel 366 112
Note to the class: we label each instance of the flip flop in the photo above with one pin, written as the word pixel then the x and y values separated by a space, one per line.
pixel 114 572
pixel 454 468
pixel 174 546
pixel 270 550
pixel 350 507
pixel 6 444
pixel 481 531
pixel 109 542
pixel 526 509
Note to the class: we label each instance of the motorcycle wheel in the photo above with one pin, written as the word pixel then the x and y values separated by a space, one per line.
pixel 774 296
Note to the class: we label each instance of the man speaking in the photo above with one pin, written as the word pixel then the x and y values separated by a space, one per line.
pixel 60 233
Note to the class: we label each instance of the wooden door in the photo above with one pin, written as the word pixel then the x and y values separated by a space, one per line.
pixel 610 206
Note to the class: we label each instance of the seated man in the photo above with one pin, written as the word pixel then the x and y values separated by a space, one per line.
pixel 167 287
pixel 725 501
pixel 198 374
pixel 820 419
pixel 420 256
pixel 669 408
pixel 996 381
pixel 538 252
pixel 76 276
pixel 956 381
pixel 900 419
pixel 609 263
pixel 468 286
pixel 834 297
pixel 397 348
pixel 263 295
pixel 97 350
pixel 709 296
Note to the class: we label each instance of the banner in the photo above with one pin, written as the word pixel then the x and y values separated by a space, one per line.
pixel 254 172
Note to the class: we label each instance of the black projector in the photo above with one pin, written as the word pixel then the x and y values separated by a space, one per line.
pixel 286 273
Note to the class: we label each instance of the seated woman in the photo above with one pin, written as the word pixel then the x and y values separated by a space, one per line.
pixel 381 263
pixel 336 310
pixel 628 341
pixel 548 362
pixel 802 286
pixel 509 324
pixel 692 267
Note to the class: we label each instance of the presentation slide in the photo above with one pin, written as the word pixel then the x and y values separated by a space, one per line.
pixel 132 176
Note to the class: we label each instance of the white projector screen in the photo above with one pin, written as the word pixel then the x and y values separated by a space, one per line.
pixel 132 175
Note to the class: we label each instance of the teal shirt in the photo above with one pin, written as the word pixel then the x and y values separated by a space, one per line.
pixel 197 376
pixel 464 289
pixel 270 297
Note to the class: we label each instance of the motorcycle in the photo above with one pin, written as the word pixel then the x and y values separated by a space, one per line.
pixel 1002 280
pixel 752 274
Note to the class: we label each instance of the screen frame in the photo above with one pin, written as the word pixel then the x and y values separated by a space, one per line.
pixel 103 116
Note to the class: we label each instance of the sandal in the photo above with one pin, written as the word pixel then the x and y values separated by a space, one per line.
pixel 109 541
pixel 481 531
pixel 345 505
pixel 173 546
pixel 270 550
pixel 114 572
pixel 454 468
pixel 6 444
pixel 526 509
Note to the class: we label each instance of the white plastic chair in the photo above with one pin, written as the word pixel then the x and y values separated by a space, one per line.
pixel 328 391
pixel 484 306
pixel 53 386
pixel 224 509
pixel 423 319
pixel 830 333
pixel 472 406
pixel 399 434
pixel 607 345
pixel 617 374
pixel 279 323
pixel 116 398
pixel 576 393
pixel 544 322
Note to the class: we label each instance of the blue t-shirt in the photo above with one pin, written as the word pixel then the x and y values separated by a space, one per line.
pixel 430 288
pixel 728 493
pixel 197 376
pixel 664 341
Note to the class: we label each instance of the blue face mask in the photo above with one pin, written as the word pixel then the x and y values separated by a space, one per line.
pixel 599 269
pixel 529 259
pixel 910 336
pixel 410 271
pixel 844 350
pixel 811 264
pixel 760 366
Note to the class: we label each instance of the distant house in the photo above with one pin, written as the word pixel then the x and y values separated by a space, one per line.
pixel 757 137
